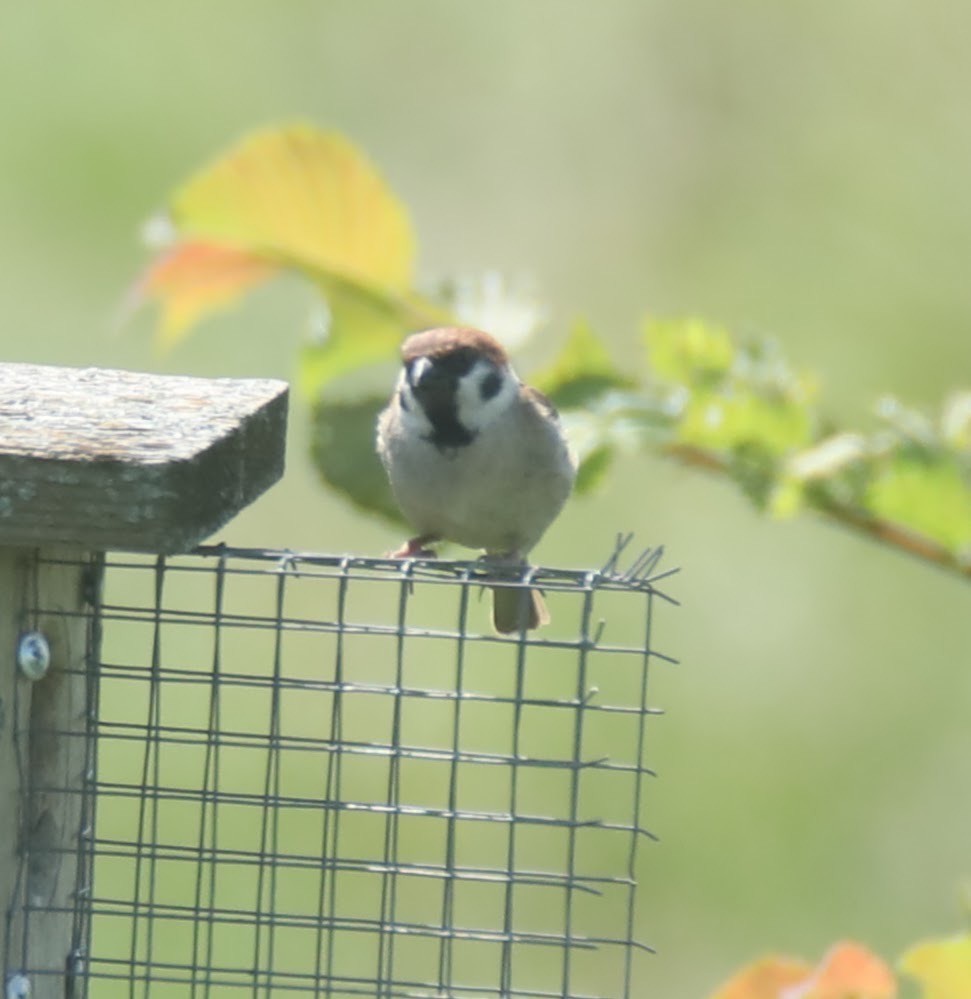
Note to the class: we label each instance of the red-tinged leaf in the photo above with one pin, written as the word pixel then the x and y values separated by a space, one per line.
pixel 307 199
pixel 195 278
pixel 943 967
pixel 765 979
pixel 847 971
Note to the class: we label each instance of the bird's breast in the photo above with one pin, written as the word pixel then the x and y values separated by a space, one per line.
pixel 498 492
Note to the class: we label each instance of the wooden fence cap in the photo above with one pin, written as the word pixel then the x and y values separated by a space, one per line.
pixel 116 460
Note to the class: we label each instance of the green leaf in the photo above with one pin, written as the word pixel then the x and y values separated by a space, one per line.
pixel 732 420
pixel 688 351
pixel 755 472
pixel 363 328
pixel 926 493
pixel 593 467
pixel 582 371
pixel 786 498
pixel 594 440
pixel 730 397
pixel 343 452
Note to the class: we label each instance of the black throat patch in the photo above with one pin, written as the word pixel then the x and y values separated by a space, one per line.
pixel 448 432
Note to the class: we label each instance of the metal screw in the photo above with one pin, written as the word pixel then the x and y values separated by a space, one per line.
pixel 18 987
pixel 33 655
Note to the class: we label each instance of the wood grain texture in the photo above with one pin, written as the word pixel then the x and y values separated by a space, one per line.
pixel 14 728
pixel 114 460
pixel 42 764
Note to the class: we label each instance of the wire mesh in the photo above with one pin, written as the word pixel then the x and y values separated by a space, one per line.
pixel 305 782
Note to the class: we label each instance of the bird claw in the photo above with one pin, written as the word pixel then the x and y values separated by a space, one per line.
pixel 500 565
pixel 414 548
pixel 504 559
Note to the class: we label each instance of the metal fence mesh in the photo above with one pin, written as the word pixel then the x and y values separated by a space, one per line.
pixel 306 782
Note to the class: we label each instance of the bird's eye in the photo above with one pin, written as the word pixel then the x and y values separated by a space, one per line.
pixel 490 385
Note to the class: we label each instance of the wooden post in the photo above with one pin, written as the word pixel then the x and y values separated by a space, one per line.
pixel 42 760
pixel 91 461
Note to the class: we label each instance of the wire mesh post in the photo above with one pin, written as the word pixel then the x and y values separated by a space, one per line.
pixel 317 775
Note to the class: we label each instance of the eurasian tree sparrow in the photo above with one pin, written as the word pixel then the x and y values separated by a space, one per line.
pixel 475 456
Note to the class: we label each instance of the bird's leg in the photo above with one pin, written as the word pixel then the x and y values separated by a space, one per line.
pixel 415 547
pixel 503 560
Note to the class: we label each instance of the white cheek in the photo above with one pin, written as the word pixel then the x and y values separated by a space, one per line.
pixel 474 412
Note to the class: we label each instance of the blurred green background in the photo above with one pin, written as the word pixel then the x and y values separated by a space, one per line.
pixel 799 169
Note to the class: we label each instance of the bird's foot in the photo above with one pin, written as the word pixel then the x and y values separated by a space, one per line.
pixel 503 560
pixel 415 548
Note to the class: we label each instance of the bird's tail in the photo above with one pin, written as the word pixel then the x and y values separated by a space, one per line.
pixel 518 608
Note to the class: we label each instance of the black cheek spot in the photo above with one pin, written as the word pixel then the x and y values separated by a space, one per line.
pixel 490 385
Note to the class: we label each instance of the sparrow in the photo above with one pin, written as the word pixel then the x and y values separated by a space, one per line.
pixel 475 456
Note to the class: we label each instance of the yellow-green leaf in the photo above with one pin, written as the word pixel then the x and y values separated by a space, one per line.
pixel 930 495
pixel 305 198
pixel 786 498
pixel 943 967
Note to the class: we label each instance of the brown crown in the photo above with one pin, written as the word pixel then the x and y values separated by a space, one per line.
pixel 439 342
